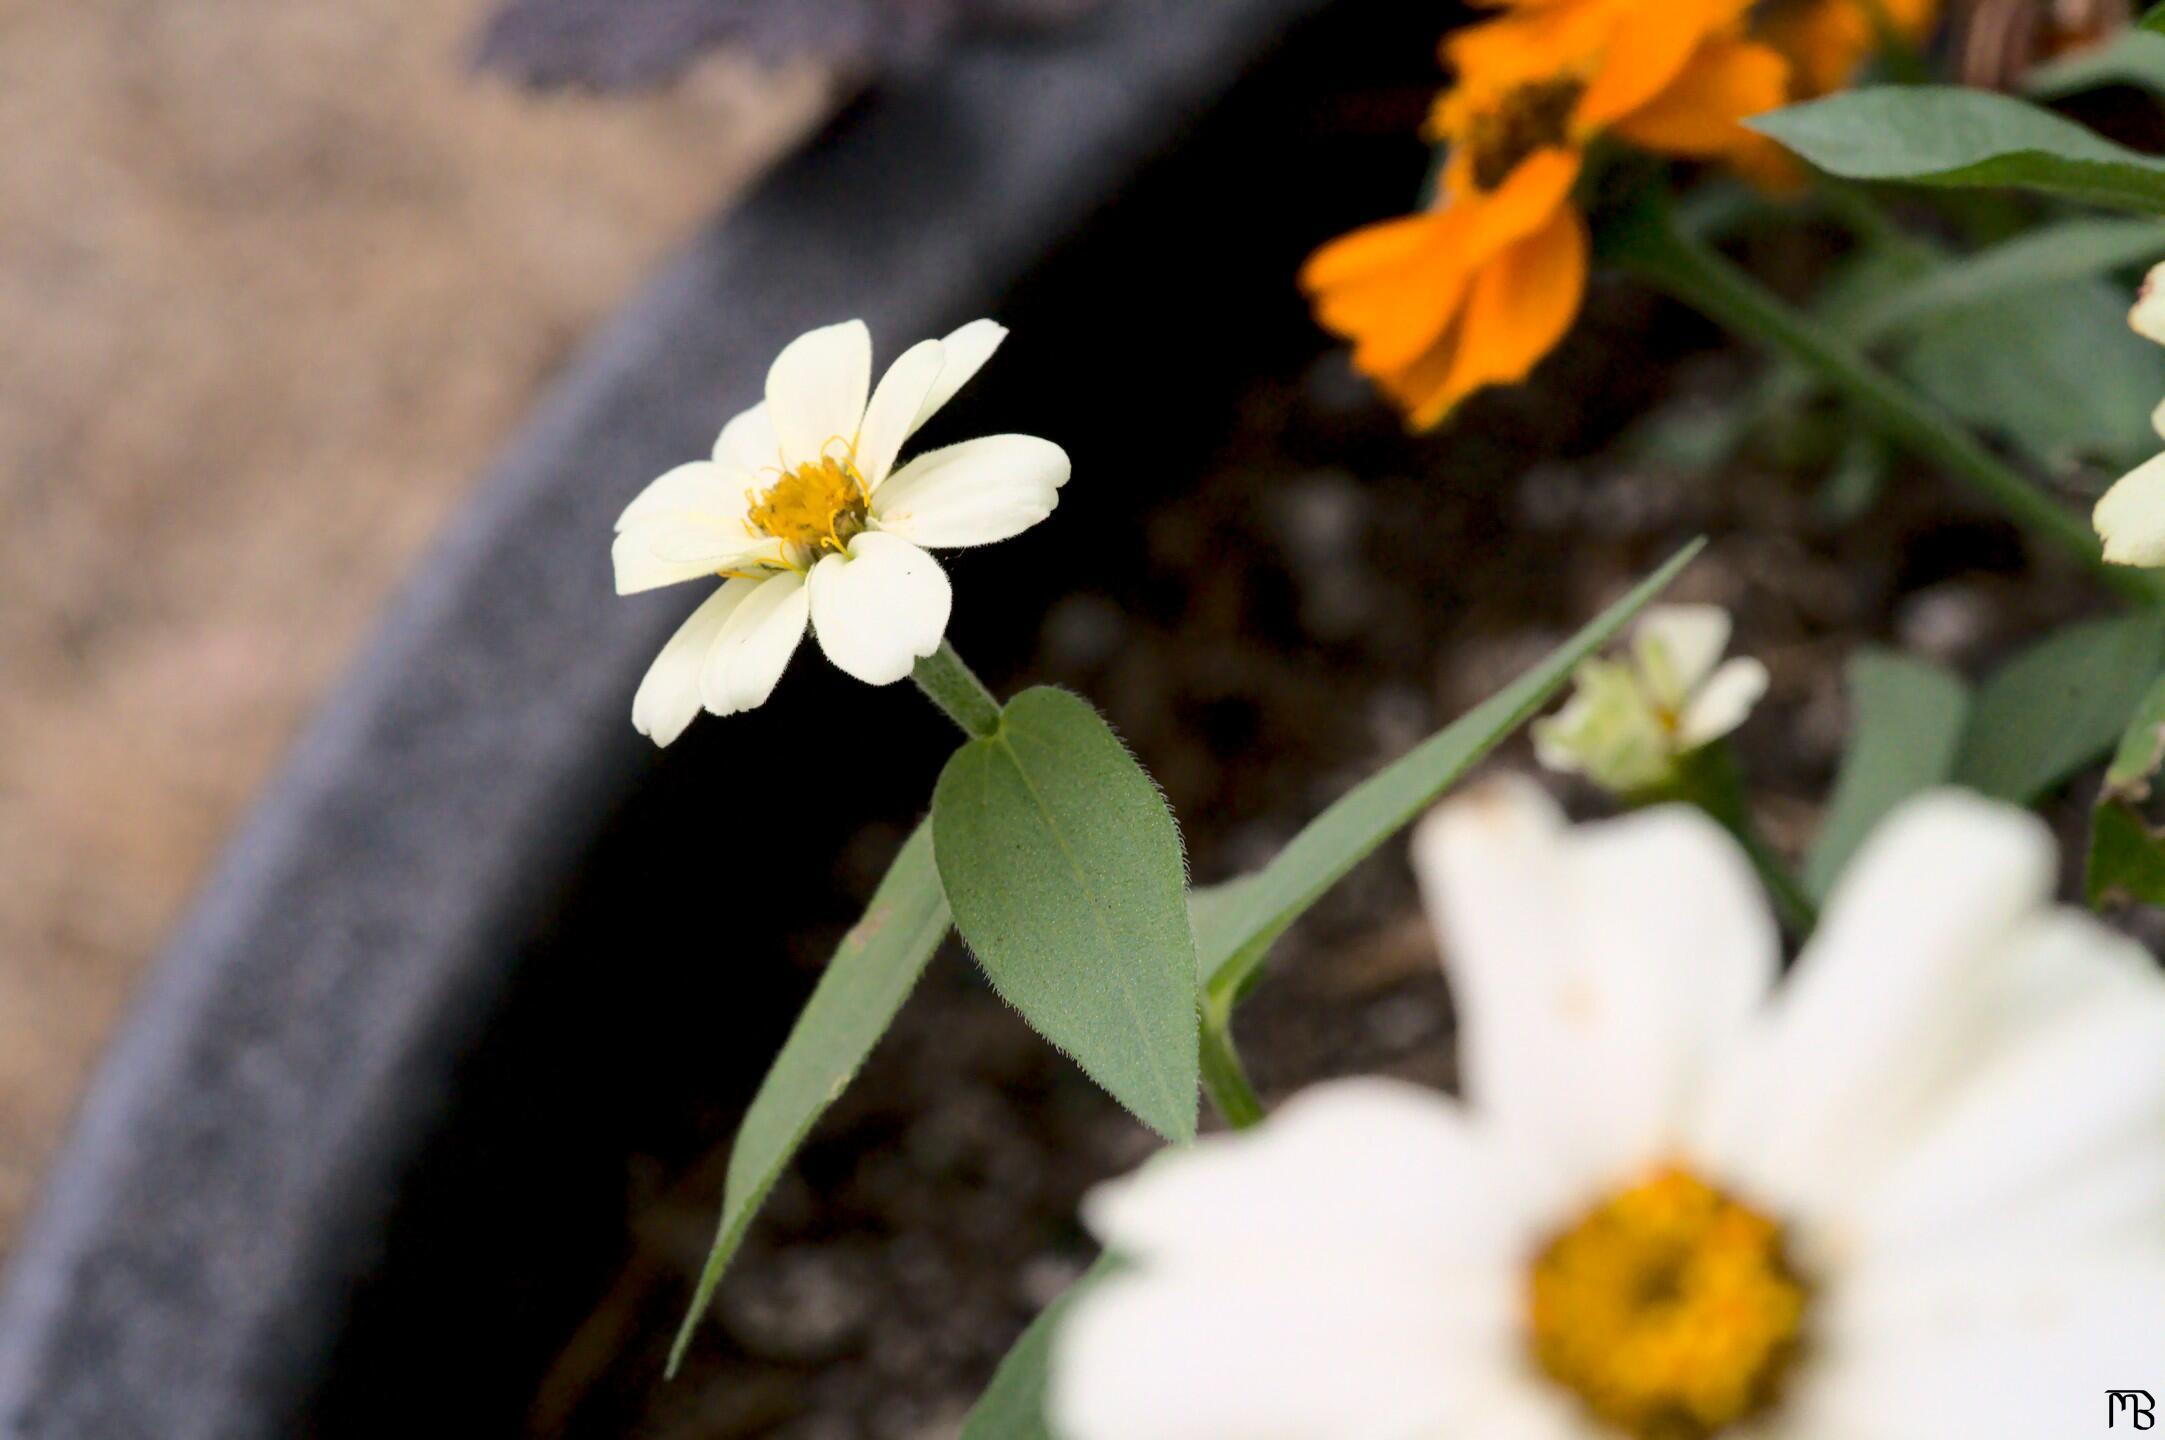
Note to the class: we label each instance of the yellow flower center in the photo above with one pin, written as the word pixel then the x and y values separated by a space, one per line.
pixel 1670 1309
pixel 815 507
pixel 1531 117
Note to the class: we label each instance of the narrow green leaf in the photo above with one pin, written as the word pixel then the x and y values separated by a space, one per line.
pixel 1065 872
pixel 1237 928
pixel 2059 705
pixel 1905 733
pixel 1945 135
pixel 2133 57
pixel 2037 260
pixel 2153 20
pixel 871 974
pixel 1013 1405
pixel 2127 854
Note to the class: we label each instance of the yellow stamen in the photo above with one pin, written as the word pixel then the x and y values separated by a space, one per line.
pixel 1670 1309
pixel 817 507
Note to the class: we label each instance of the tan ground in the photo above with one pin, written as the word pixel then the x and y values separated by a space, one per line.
pixel 274 279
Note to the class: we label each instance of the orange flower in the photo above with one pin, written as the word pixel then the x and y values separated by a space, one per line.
pixel 1477 289
pixel 1827 41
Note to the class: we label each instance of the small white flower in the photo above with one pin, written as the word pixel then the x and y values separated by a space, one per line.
pixel 1628 721
pixel 805 517
pixel 2130 517
pixel 1918 1192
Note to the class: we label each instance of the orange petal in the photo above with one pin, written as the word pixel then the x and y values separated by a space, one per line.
pixel 1481 226
pixel 1646 53
pixel 1725 81
pixel 1519 306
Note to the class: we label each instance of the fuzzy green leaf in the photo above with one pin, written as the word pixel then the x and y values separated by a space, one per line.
pixel 1065 872
pixel 1906 725
pixel 1945 135
pixel 2059 705
pixel 1238 926
pixel 871 974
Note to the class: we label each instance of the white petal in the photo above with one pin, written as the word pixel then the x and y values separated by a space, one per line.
pixel 1284 1347
pixel 2130 517
pixel 1987 1350
pixel 653 553
pixel 748 656
pixel 880 608
pixel 816 390
pixel 1720 704
pixel 892 415
pixel 636 556
pixel 2157 419
pixel 749 446
pixel 1883 1004
pixel 669 697
pixel 700 486
pixel 1677 646
pixel 1351 1166
pixel 2062 1122
pixel 1599 974
pixel 967 351
pixel 973 493
pixel 2148 317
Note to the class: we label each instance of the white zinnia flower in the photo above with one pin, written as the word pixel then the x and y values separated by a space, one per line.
pixel 2130 517
pixel 1917 1193
pixel 1629 721
pixel 803 514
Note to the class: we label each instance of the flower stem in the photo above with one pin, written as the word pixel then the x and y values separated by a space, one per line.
pixel 1225 1080
pixel 950 684
pixel 1651 246
pixel 1708 778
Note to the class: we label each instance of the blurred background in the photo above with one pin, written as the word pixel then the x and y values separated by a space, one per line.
pixel 274 282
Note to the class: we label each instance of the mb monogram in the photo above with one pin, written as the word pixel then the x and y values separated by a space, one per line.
pixel 2135 1406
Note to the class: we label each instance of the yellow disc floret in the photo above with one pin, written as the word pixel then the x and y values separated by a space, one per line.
pixel 1670 1309
pixel 816 507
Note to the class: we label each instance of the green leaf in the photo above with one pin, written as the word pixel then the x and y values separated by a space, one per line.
pixel 1944 135
pixel 1013 1405
pixel 1238 927
pixel 2078 386
pixel 2153 20
pixel 1065 872
pixel 871 974
pixel 2133 57
pixel 2127 855
pixel 1906 726
pixel 2038 260
pixel 2059 705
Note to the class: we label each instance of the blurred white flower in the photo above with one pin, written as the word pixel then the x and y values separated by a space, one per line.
pixel 2130 517
pixel 1919 1192
pixel 806 519
pixel 1629 720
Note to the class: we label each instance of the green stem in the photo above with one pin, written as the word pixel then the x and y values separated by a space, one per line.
pixel 1652 247
pixel 949 684
pixel 1225 1080
pixel 1709 778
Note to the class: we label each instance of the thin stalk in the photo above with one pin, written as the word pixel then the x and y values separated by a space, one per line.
pixel 950 684
pixel 1225 1079
pixel 1709 779
pixel 1651 246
